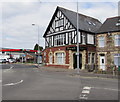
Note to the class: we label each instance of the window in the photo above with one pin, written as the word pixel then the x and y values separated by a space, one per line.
pixel 59 23
pixel 101 41
pixel 60 58
pixel 90 39
pixel 59 40
pixel 50 41
pixel 70 38
pixel 117 59
pixel 117 40
pixel 89 54
pixel 50 58
pixel 93 57
pixel 83 39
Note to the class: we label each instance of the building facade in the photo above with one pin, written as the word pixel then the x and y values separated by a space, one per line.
pixel 108 44
pixel 61 39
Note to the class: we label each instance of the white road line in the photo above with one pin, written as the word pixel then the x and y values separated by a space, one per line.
pixel 0 81
pixel 11 84
pixel 85 91
pixel 87 88
pixel 8 69
pixel 105 88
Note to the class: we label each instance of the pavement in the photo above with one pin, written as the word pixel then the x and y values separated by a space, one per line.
pixel 83 73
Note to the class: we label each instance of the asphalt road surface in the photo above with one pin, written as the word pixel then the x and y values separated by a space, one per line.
pixel 27 82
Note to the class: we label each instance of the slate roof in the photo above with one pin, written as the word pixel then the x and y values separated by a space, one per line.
pixel 110 25
pixel 86 23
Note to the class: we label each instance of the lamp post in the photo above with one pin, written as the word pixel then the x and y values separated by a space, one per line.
pixel 78 69
pixel 38 51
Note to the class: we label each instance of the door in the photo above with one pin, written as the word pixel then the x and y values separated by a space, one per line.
pixel 75 61
pixel 102 62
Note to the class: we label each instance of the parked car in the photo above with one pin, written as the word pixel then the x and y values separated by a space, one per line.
pixel 2 60
pixel 11 60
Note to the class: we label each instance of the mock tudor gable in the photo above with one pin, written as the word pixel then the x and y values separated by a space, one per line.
pixel 61 39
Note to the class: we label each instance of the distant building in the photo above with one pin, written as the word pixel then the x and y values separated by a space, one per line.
pixel 108 44
pixel 60 39
pixel 22 55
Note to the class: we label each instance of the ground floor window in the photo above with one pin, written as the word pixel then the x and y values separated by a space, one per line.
pixel 50 58
pixel 91 58
pixel 117 59
pixel 60 58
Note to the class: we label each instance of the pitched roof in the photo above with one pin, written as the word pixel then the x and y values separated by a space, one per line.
pixel 86 23
pixel 110 25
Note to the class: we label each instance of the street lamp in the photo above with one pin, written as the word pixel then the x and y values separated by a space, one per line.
pixel 78 69
pixel 38 42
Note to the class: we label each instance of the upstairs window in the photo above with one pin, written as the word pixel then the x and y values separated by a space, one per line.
pixel 83 39
pixel 101 41
pixel 90 39
pixel 59 23
pixel 117 40
pixel 59 40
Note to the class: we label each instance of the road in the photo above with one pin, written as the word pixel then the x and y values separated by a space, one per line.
pixel 27 82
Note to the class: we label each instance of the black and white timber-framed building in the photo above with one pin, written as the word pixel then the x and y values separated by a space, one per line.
pixel 60 39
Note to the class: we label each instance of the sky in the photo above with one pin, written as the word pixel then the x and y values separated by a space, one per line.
pixel 17 17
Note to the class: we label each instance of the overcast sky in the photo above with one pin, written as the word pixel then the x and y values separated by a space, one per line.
pixel 17 18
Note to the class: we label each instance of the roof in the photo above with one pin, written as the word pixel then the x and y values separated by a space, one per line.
pixel 86 23
pixel 110 25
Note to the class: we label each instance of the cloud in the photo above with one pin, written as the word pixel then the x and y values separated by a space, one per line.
pixel 18 17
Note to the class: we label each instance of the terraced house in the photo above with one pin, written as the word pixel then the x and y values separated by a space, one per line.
pixel 108 44
pixel 60 39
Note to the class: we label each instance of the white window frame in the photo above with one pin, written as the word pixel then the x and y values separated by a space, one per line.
pixel 90 39
pixel 59 40
pixel 83 39
pixel 101 39
pixel 117 40
pixel 60 58
pixel 117 56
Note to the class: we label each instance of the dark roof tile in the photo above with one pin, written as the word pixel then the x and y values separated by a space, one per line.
pixel 110 25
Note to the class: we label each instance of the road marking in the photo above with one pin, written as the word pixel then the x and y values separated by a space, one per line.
pixel 85 92
pixel 87 88
pixel 105 89
pixel 0 81
pixel 11 84
pixel 8 69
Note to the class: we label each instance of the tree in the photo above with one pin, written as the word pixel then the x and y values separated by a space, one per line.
pixel 37 46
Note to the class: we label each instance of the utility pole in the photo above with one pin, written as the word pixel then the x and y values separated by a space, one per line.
pixel 78 64
pixel 38 51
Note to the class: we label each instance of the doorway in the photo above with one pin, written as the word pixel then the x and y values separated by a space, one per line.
pixel 102 62
pixel 75 60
